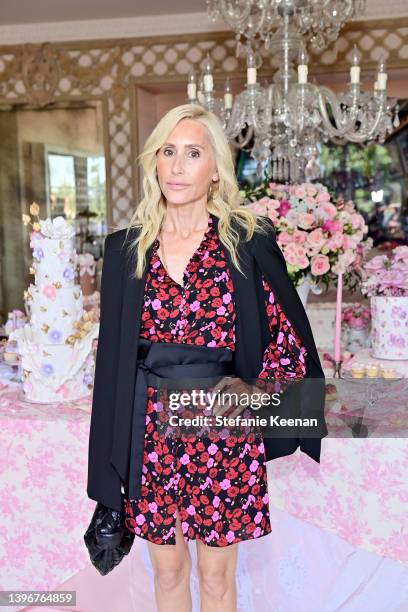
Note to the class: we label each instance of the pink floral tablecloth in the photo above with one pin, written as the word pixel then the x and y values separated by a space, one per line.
pixel 359 491
pixel 44 509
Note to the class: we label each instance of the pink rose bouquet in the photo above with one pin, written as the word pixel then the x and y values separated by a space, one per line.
pixel 318 237
pixel 387 274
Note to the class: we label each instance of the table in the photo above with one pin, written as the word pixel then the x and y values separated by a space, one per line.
pixel 359 492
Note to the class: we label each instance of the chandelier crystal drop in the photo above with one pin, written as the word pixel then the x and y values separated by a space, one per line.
pixel 282 122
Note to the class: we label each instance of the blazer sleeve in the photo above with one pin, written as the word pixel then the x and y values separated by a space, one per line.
pixel 272 263
pixel 103 480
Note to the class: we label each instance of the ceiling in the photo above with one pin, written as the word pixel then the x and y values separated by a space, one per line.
pixel 42 11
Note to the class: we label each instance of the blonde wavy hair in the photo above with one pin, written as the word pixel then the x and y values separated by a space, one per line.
pixel 225 201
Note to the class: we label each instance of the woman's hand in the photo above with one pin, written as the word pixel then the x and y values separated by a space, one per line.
pixel 231 385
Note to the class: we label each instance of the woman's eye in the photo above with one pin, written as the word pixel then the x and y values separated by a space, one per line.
pixel 194 153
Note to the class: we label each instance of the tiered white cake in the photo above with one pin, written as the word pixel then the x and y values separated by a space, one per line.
pixel 56 344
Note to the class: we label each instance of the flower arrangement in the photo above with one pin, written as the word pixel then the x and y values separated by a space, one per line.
pixel 387 274
pixel 356 316
pixel 318 236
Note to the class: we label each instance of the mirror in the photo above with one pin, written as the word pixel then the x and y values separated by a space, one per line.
pixel 54 156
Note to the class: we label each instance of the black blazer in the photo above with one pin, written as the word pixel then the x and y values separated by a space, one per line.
pixel 115 367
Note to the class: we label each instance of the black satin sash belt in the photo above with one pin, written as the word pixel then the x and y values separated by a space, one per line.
pixel 157 360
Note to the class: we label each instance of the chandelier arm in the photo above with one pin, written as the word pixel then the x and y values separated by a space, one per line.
pixel 363 137
pixel 332 130
pixel 347 130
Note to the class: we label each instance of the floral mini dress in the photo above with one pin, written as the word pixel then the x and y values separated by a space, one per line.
pixel 218 486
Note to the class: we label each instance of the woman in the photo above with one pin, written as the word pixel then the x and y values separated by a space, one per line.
pixel 190 295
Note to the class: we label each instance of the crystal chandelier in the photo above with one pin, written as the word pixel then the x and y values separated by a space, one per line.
pixel 286 120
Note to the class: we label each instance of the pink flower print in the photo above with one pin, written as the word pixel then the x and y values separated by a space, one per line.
pixel 50 292
pixel 399 312
pixel 153 507
pixel 230 536
pixel 156 304
pixel 258 517
pixel 63 389
pixel 191 510
pixel 212 449
pixel 397 341
pixel 254 465
pixel 226 298
pixel 216 501
pixel 184 459
pixel 285 361
pixel 140 519
pixel 257 532
pixel 225 484
pixel 64 256
pixel 153 457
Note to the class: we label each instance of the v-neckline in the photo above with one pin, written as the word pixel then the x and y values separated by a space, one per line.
pixel 198 249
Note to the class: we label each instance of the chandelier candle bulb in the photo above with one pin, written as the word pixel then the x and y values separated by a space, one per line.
pixel 355 75
pixel 208 82
pixel 227 100
pixel 191 91
pixel 382 80
pixel 302 74
pixel 251 76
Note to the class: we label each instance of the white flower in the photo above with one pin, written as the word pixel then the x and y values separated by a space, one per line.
pixel 57 228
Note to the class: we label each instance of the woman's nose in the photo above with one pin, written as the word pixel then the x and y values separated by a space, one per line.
pixel 177 164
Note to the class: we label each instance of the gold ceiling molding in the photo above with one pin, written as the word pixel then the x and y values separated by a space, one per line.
pixel 37 75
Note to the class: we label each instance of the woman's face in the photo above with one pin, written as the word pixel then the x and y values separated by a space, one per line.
pixel 186 163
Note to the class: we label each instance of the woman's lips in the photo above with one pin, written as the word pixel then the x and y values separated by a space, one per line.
pixel 177 185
